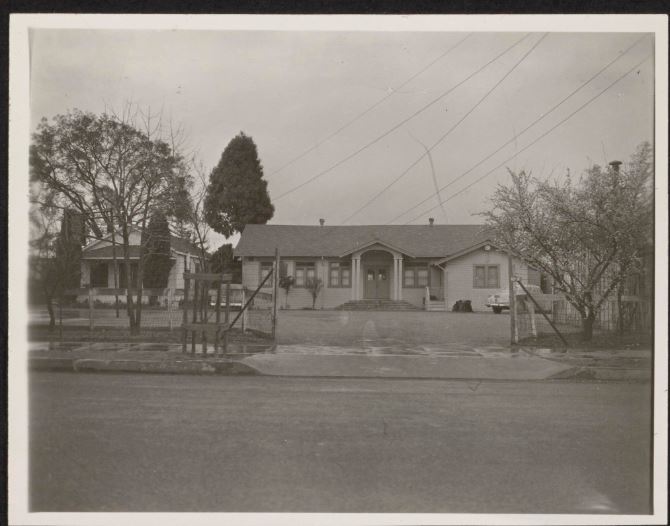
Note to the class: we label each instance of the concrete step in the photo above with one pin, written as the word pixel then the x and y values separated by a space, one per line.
pixel 384 304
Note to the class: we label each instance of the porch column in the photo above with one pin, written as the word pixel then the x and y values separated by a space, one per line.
pixel 400 278
pixel 355 277
pixel 444 286
pixel 396 289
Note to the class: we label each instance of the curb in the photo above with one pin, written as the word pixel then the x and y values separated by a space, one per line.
pixel 51 364
pixel 189 367
pixel 224 367
pixel 603 373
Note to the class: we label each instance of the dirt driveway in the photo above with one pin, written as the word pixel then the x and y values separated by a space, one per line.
pixel 351 328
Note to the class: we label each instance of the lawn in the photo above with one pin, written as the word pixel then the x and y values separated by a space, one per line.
pixel 351 328
pixel 339 328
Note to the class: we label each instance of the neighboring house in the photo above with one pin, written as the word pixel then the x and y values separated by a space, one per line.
pixel 390 262
pixel 97 262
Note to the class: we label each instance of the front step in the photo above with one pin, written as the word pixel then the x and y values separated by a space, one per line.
pixel 384 305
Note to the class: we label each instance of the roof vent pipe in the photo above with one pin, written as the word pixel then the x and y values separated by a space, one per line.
pixel 431 220
pixel 322 221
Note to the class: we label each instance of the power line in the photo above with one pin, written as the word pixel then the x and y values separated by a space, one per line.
pixel 368 110
pixel 433 176
pixel 401 123
pixel 541 117
pixel 480 101
pixel 536 140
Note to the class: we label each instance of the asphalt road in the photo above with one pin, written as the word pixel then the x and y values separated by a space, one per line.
pixel 186 443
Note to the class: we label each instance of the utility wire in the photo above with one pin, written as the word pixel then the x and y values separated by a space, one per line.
pixel 434 177
pixel 533 142
pixel 401 123
pixel 368 110
pixel 541 117
pixel 444 136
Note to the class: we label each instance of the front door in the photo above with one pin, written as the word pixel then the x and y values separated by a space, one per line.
pixel 377 283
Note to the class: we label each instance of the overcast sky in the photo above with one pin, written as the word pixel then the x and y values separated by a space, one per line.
pixel 291 90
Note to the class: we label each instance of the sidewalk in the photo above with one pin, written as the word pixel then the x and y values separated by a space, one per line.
pixel 369 361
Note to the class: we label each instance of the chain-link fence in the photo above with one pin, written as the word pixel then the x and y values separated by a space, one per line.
pixel 161 309
pixel 258 318
pixel 631 315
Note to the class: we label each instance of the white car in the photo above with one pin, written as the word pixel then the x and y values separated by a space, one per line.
pixel 235 302
pixel 500 300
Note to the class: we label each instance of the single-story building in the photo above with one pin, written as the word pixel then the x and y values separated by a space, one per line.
pixel 401 263
pixel 98 270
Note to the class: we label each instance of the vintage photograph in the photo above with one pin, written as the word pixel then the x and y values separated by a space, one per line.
pixel 286 267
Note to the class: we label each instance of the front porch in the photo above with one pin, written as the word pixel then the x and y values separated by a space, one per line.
pixel 388 278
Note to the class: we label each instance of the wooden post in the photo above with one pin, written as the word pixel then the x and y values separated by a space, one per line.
pixel 184 332
pixel 275 286
pixel 531 314
pixel 244 314
pixel 205 314
pixel 195 313
pixel 60 317
pixel 226 319
pixel 169 307
pixel 90 309
pixel 514 338
pixel 515 321
pixel 218 317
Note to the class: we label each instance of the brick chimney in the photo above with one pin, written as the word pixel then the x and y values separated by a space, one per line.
pixel 431 220
pixel 322 221
pixel 615 165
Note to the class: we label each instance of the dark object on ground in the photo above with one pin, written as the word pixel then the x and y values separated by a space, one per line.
pixel 462 306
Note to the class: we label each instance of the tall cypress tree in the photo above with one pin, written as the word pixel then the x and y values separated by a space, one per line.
pixel 156 252
pixel 237 194
pixel 68 248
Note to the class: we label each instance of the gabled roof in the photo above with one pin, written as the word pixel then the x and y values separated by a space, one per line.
pixel 374 242
pixel 435 241
pixel 108 252
pixel 467 250
pixel 177 244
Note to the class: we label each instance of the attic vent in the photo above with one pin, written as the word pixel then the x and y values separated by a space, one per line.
pixel 431 220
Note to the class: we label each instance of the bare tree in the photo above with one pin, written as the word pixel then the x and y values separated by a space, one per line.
pixel 115 169
pixel 314 286
pixel 588 236
pixel 195 211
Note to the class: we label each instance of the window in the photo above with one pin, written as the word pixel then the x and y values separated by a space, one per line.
pixel 303 273
pixel 340 274
pixel 266 267
pixel 415 277
pixel 486 277
pixel 99 275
